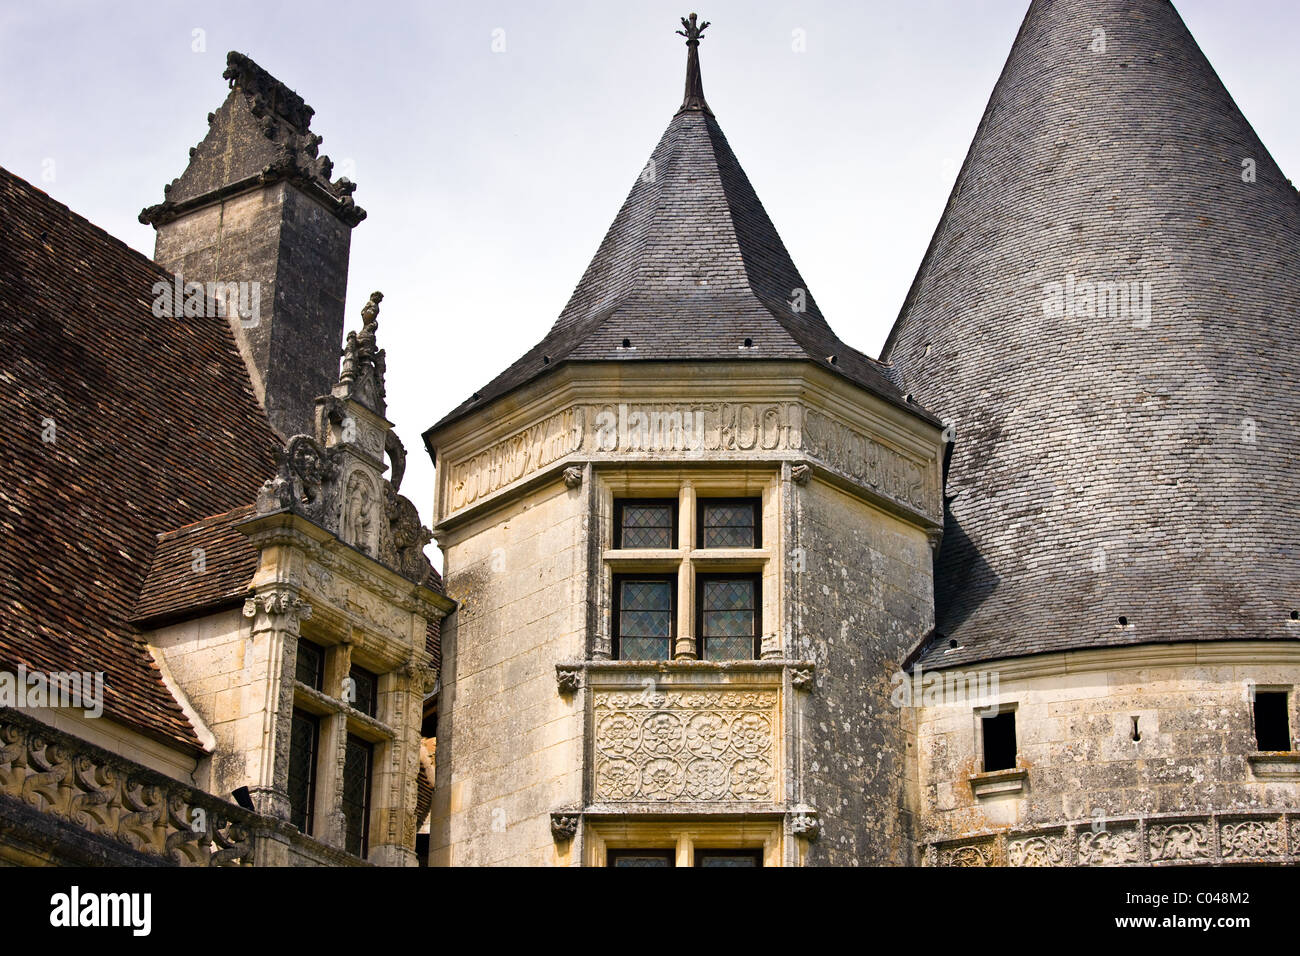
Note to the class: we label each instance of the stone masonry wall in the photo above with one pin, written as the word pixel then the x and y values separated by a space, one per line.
pixel 863 600
pixel 509 745
pixel 1075 738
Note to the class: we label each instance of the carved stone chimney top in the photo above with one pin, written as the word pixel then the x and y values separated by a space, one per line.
pixel 261 134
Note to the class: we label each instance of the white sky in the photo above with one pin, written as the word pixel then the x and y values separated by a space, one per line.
pixel 490 178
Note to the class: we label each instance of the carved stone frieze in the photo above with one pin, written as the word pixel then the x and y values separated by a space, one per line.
pixel 685 745
pixel 1167 839
pixel 970 854
pixel 692 431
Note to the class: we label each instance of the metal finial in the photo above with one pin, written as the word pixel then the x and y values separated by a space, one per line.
pixel 694 99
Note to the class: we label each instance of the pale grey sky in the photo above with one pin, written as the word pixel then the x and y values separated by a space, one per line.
pixel 490 177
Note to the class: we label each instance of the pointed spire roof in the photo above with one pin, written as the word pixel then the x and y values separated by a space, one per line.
pixel 1135 464
pixel 691 269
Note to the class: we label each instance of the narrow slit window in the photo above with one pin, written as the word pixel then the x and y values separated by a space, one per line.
pixel 729 523
pixel 650 523
pixel 1000 741
pixel 309 668
pixel 304 741
pixel 644 617
pixel 358 762
pixel 1272 726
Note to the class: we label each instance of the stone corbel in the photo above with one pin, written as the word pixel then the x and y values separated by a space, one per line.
pixel 276 610
pixel 565 824
pixel 568 678
pixel 573 476
pixel 801 678
pixel 801 472
pixel 935 536
pixel 805 823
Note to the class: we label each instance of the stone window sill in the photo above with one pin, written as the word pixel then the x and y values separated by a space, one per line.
pixel 1275 764
pixel 998 783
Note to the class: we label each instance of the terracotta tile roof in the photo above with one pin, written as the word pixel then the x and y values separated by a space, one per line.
pixel 156 427
pixel 176 586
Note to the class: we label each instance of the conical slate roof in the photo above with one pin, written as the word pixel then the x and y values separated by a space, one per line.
pixel 1108 464
pixel 691 268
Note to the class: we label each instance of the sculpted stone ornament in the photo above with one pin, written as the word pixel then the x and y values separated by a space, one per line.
pixel 801 473
pixel 280 610
pixel 572 477
pixel 801 678
pixel 335 477
pixel 364 364
pixel 805 823
pixel 564 825
pixel 568 678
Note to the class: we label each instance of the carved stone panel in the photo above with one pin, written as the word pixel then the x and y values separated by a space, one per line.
pixel 701 746
pixel 1112 846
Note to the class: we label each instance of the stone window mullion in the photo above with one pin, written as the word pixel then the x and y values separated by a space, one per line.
pixel 687 648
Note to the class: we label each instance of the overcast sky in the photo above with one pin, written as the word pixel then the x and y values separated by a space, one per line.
pixel 491 175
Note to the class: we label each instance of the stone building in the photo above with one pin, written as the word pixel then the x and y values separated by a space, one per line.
pixel 1021 592
pixel 720 589
pixel 220 628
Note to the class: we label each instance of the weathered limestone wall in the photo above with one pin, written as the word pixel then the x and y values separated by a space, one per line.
pixel 1074 724
pixel 297 251
pixel 222 671
pixel 862 601
pixel 509 745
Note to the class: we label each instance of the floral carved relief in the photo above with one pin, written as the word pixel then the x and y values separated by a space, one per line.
pixel 688 744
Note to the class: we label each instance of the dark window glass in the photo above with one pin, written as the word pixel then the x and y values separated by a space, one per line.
pixel 645 524
pixel 356 795
pixel 643 618
pixel 309 669
pixel 304 739
pixel 1000 741
pixel 727 617
pixel 728 857
pixel 642 858
pixel 365 690
pixel 1272 728
pixel 729 523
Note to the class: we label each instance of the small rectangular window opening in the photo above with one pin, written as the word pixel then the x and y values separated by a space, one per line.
pixel 1000 741
pixel 1272 727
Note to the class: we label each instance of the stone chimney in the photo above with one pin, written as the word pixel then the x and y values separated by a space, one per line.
pixel 257 221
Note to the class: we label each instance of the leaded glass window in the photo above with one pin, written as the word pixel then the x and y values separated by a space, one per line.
pixel 728 617
pixel 365 686
pixel 356 795
pixel 646 524
pixel 304 739
pixel 643 617
pixel 729 858
pixel 310 665
pixel 729 523
pixel 642 858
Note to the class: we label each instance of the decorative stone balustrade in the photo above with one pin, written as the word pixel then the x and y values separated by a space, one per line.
pixel 133 814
